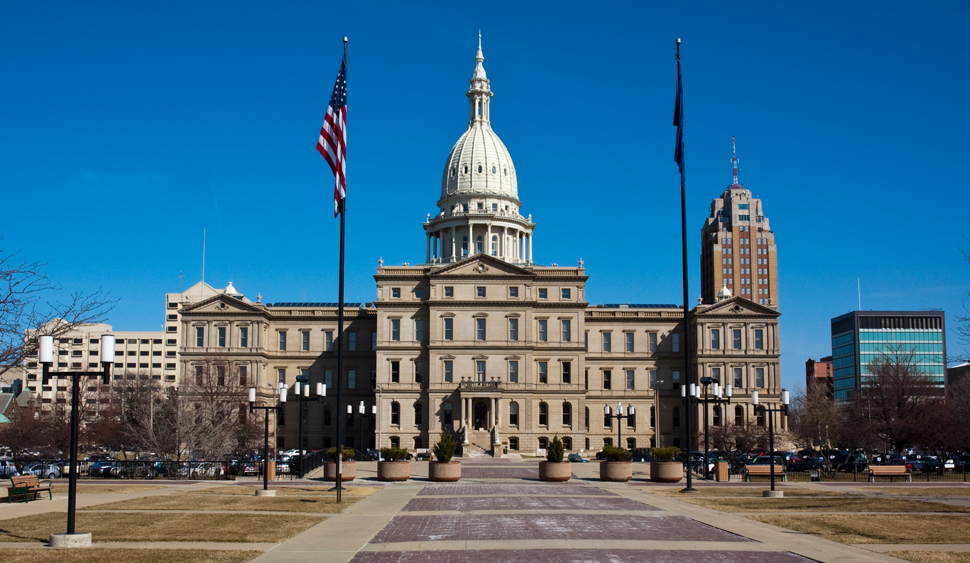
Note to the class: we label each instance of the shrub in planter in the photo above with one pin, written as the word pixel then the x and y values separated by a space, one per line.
pixel 617 466
pixel 553 469
pixel 444 469
pixel 396 467
pixel 348 470
pixel 663 468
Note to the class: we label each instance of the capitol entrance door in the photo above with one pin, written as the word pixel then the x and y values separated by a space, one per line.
pixel 480 421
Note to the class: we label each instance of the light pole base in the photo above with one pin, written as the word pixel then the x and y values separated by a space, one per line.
pixel 688 490
pixel 65 540
pixel 266 493
pixel 773 494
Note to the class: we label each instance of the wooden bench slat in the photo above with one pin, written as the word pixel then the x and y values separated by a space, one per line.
pixel 889 471
pixel 25 485
pixel 764 471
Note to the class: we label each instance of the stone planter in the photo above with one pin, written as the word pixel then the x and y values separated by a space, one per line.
pixel 556 472
pixel 393 470
pixel 666 471
pixel 441 472
pixel 349 472
pixel 616 471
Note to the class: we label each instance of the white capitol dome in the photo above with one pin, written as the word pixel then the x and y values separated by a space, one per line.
pixel 479 163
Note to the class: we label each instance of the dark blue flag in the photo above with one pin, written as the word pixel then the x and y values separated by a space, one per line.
pixel 679 120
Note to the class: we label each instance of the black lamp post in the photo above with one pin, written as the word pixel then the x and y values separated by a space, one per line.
pixel 717 400
pixel 619 416
pixel 690 395
pixel 46 356
pixel 302 391
pixel 278 408
pixel 362 410
pixel 771 432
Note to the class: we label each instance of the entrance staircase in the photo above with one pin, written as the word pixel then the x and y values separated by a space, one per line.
pixel 479 443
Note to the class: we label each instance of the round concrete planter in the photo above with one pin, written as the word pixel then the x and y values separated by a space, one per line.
pixel 393 470
pixel 616 471
pixel 348 473
pixel 666 471
pixel 556 472
pixel 440 472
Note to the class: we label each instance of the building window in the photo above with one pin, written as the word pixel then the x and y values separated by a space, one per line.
pixel 280 375
pixel 222 336
pixel 567 372
pixel 395 414
pixel 243 375
pixel 480 291
pixel 449 328
pixel 221 376
pixel 543 414
pixel 373 341
pixel 739 416
pixel 543 293
pixel 628 336
pixel 716 374
pixel 282 340
pixel 513 443
pixel 328 340
pixel 328 378
pixel 759 339
pixel 607 341
pixel 395 372
pixel 653 417
pixel 607 375
pixel 244 337
pixel 586 419
pixel 513 291
pixel 630 378
pixel 494 245
pixel 543 372
pixel 653 379
pixel 759 377
pixel 675 378
pixel 513 414
pixel 715 339
pixel 676 417
pixel 565 293
pixel 736 337
pixel 480 329
pixel 419 330
pixel 448 415
pixel 567 330
pixel 760 413
pixel 513 371
pixel 543 334
pixel 567 414
pixel 396 330
pixel 675 342
pixel 352 341
pixel 199 336
pixel 716 415
pixel 738 378
pixel 449 291
pixel 464 246
pixel 513 329
pixel 478 240
pixel 418 371
pixel 418 414
pixel 567 443
pixel 480 371
pixel 327 416
pixel 608 417
pixel 419 293
pixel 351 379
pixel 631 417
pixel 449 372
pixel 305 340
pixel 653 341
pixel 395 293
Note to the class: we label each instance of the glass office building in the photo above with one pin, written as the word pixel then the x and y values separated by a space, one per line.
pixel 861 337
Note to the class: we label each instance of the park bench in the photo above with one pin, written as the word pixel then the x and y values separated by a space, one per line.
pixel 889 471
pixel 25 486
pixel 764 471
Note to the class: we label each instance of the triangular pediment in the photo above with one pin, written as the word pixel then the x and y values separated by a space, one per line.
pixel 482 265
pixel 220 304
pixel 737 306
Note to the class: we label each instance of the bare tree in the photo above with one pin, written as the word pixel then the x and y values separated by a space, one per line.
pixel 963 330
pixel 813 417
pixel 24 293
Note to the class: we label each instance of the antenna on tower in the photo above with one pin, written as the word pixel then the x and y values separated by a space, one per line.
pixel 734 164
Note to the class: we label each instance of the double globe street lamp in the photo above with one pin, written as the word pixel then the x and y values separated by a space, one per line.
pixel 265 492
pixel 721 396
pixel 771 434
pixel 631 412
pixel 302 391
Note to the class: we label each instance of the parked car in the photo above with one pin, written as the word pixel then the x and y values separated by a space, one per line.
pixel 766 460
pixel 101 469
pixel 807 463
pixel 8 469
pixel 43 469
pixel 847 462
pixel 576 458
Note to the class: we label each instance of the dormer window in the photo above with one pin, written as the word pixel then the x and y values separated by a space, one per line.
pixel 493 170
pixel 466 169
pixel 479 168
pixel 480 206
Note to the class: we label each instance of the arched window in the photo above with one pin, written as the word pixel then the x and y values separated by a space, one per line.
pixel 631 417
pixel 513 414
pixel 494 245
pixel 478 244
pixel 717 416
pixel 493 169
pixel 448 418
pixel 760 412
pixel 464 246
pixel 543 414
pixel 608 417
pixel 631 444
pixel 466 169
pixel 395 414
pixel 479 166
pixel 567 443
pixel 567 414
pixel 587 418
pixel 418 414
pixel 739 415
pixel 676 417
pixel 327 416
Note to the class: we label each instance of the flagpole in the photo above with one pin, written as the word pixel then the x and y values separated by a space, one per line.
pixel 683 233
pixel 340 330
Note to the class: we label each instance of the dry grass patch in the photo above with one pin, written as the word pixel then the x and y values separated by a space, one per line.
pixel 931 556
pixel 920 491
pixel 735 492
pixel 876 528
pixel 308 491
pixel 851 504
pixel 239 503
pixel 168 526
pixel 99 555
pixel 107 489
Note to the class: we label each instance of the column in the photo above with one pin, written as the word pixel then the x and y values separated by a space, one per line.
pixel 453 233
pixel 487 247
pixel 471 239
pixel 428 252
pixel 505 243
pixel 530 247
pixel 498 414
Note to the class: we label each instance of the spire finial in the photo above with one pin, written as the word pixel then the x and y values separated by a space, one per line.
pixel 479 57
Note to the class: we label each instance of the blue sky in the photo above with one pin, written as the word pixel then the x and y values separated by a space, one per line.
pixel 128 128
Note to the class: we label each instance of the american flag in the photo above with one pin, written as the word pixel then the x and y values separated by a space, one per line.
pixel 333 137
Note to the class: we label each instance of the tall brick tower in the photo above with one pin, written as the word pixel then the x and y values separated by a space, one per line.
pixel 738 247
